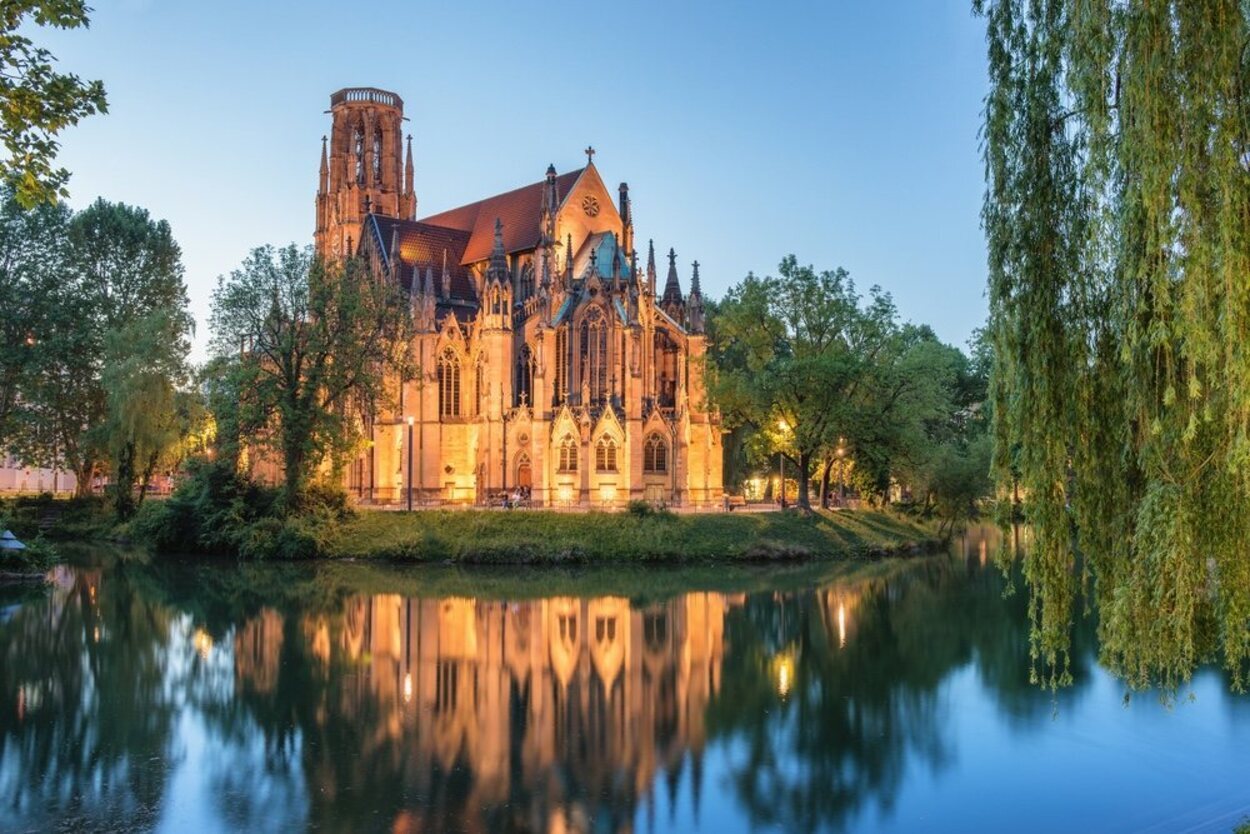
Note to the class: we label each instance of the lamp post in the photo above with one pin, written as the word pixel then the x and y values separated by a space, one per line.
pixel 408 480
pixel 841 474
pixel 783 426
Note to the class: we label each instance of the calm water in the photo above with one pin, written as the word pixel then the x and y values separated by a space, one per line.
pixel 355 698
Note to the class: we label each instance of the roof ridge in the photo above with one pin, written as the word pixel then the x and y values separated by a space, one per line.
pixel 508 193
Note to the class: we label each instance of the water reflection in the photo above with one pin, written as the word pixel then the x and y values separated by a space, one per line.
pixel 214 698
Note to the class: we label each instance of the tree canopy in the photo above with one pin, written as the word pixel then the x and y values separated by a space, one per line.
pixel 96 331
pixel 1117 213
pixel 36 101
pixel 815 372
pixel 303 346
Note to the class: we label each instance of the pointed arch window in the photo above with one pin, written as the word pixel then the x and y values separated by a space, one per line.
pixel 448 385
pixel 377 155
pixel 562 365
pixel 568 454
pixel 479 386
pixel 358 150
pixel 527 281
pixel 594 356
pixel 524 377
pixel 655 455
pixel 605 455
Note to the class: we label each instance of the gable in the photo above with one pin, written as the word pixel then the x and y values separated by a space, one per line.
pixel 573 217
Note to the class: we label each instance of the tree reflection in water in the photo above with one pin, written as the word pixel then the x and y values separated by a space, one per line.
pixel 312 705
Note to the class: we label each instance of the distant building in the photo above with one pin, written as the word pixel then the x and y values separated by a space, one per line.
pixel 549 362
pixel 16 478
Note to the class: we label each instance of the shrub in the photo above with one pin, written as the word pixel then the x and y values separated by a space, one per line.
pixel 644 509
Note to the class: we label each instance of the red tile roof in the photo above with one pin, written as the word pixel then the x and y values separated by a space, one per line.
pixel 421 247
pixel 521 213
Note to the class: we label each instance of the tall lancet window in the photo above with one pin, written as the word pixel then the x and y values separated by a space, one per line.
pixel 525 377
pixel 594 355
pixel 377 156
pixel 479 387
pixel 527 281
pixel 358 150
pixel 448 385
pixel 562 365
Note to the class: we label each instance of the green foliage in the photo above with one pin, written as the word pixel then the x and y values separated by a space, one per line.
pixel 300 344
pixel 217 511
pixel 99 329
pixel 1118 220
pixel 31 516
pixel 36 102
pixel 645 509
pixel 804 368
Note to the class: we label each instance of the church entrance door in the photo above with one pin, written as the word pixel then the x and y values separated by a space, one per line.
pixel 524 477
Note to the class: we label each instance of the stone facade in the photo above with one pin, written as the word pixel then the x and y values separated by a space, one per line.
pixel 547 361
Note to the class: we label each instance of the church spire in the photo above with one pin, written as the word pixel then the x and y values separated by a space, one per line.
pixel 651 268
pixel 672 285
pixel 568 264
pixel 408 167
pixel 323 182
pixel 694 282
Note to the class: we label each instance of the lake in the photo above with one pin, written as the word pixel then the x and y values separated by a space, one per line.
pixel 894 696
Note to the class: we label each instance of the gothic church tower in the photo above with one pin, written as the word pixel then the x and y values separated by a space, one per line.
pixel 366 168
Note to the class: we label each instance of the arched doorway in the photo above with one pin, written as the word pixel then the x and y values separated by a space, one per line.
pixel 524 472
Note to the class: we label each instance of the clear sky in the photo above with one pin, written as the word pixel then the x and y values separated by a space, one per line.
pixel 845 132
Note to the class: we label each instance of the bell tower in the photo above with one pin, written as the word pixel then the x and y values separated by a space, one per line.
pixel 366 166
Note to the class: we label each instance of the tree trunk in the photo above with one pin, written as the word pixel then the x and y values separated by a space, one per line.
pixel 146 480
pixel 805 462
pixel 82 474
pixel 824 484
pixel 124 483
pixel 293 459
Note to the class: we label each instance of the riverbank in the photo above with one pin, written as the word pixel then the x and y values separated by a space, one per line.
pixel 543 537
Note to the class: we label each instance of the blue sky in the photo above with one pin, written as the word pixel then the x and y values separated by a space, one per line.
pixel 843 132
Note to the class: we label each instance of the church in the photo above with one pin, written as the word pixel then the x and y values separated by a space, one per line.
pixel 549 365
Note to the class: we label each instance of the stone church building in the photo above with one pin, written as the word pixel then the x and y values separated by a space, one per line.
pixel 550 364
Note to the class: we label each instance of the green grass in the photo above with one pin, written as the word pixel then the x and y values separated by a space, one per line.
pixel 535 536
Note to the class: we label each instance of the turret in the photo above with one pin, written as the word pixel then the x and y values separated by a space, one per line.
pixel 694 304
pixel 363 161
pixel 627 218
pixel 672 302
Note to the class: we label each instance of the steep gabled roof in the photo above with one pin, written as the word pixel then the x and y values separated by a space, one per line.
pixel 521 213
pixel 422 246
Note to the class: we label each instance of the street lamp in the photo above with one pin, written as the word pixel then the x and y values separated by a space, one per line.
pixel 408 480
pixel 783 426
pixel 841 474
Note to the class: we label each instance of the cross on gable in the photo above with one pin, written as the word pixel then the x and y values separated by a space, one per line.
pixel 590 154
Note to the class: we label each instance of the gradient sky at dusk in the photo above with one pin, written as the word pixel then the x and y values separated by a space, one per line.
pixel 844 132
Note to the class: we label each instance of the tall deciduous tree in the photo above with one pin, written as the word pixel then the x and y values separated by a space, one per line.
pixel 36 101
pixel 304 346
pixel 1117 212
pixel 93 280
pixel 791 354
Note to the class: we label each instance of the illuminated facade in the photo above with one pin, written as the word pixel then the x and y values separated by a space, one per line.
pixel 548 362
pixel 576 704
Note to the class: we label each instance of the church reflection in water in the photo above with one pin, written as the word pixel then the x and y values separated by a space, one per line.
pixel 570 706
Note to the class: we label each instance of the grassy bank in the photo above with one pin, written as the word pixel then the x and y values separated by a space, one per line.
pixel 535 536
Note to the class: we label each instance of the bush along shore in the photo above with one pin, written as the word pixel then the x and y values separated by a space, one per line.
pixel 217 512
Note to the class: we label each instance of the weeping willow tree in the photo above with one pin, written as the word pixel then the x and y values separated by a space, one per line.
pixel 1117 214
